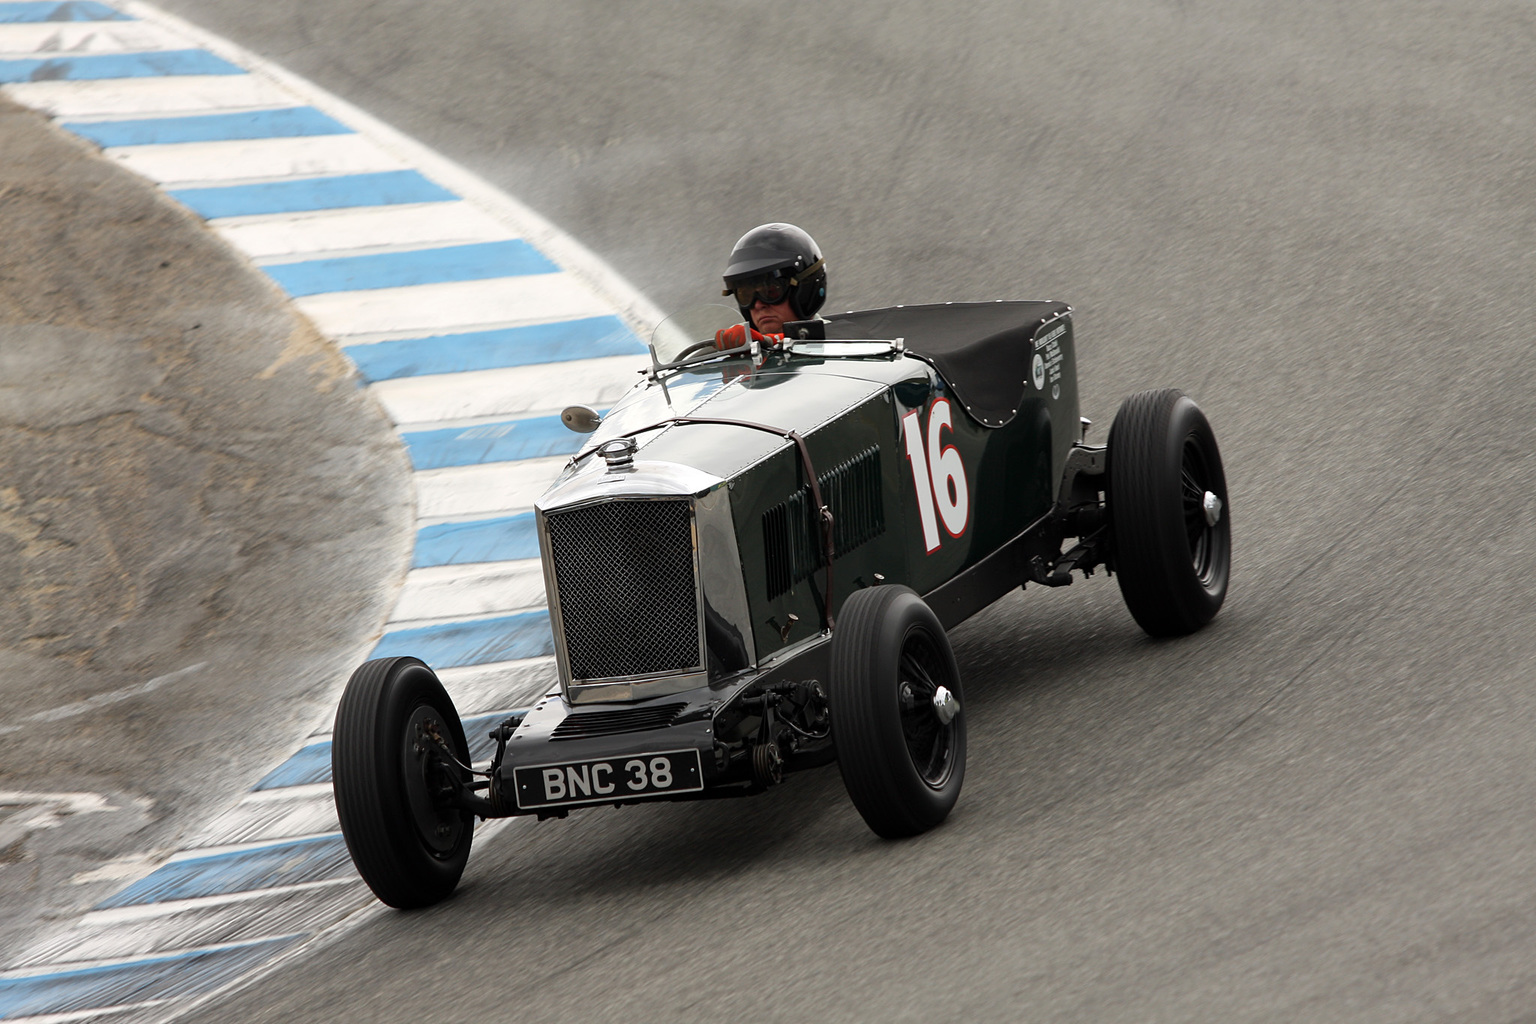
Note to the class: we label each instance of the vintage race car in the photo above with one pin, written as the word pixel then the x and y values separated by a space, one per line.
pixel 751 565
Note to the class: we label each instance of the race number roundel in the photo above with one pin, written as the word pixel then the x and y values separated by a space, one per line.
pixel 938 474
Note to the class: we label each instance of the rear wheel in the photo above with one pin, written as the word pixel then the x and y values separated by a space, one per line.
pixel 1168 508
pixel 394 788
pixel 897 711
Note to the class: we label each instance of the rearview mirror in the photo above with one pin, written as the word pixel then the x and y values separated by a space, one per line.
pixel 581 419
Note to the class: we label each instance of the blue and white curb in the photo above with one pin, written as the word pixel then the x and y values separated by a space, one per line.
pixel 469 318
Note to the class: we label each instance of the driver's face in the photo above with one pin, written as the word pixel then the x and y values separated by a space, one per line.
pixel 771 319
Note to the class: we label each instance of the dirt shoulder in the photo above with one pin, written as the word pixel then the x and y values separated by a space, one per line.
pixel 189 476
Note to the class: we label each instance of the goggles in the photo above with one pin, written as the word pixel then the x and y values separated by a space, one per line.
pixel 770 288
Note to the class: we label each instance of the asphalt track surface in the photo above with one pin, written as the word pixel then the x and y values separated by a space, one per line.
pixel 1318 220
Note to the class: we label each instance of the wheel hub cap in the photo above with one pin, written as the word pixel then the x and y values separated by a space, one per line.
pixel 1212 506
pixel 924 701
pixel 945 705
pixel 425 775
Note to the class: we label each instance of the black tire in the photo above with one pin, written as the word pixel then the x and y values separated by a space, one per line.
pixel 1172 562
pixel 410 850
pixel 902 766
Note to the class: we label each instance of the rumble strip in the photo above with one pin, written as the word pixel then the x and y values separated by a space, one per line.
pixel 469 318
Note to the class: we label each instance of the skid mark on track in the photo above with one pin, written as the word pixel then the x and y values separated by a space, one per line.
pixel 101 700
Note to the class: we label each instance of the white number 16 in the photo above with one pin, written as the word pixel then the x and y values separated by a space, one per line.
pixel 938 473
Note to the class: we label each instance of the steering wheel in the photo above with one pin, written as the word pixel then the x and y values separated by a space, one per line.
pixel 696 347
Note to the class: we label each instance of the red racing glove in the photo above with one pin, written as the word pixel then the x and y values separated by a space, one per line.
pixel 739 335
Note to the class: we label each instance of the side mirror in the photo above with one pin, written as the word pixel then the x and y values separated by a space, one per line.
pixel 581 419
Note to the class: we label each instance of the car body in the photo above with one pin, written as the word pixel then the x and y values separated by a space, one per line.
pixel 936 451
pixel 880 422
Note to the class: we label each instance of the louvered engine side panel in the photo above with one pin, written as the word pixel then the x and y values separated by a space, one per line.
pixel 792 535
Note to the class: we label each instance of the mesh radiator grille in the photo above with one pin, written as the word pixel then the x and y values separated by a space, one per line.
pixel 624 572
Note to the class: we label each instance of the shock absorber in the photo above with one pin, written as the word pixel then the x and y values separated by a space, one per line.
pixel 500 800
pixel 767 758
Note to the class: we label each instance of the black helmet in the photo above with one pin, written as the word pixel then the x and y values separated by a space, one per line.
pixel 778 254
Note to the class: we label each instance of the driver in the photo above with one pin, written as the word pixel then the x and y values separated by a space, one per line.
pixel 777 274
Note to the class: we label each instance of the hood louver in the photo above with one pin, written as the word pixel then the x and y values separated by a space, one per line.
pixel 790 532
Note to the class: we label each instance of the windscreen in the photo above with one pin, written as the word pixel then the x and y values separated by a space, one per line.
pixel 690 333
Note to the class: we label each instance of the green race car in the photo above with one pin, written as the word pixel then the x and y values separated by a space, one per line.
pixel 751 565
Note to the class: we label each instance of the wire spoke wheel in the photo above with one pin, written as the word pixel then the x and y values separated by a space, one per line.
pixel 902 758
pixel 1195 480
pixel 930 742
pixel 1172 535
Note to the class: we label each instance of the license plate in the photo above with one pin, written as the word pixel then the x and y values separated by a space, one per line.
pixel 607 780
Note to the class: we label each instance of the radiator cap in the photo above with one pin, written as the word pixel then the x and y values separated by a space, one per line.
pixel 619 453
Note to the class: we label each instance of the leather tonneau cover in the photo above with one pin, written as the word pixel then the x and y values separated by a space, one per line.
pixel 983 349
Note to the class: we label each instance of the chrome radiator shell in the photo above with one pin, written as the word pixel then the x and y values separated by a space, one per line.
pixel 578 552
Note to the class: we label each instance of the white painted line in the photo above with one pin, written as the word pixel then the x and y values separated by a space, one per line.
pixel 334 231
pixel 150 911
pixel 444 590
pixel 416 402
pixel 109 1013
pixel 32 972
pixel 454 306
pixel 283 794
pixel 151 97
pixel 252 821
pixel 64 804
pixel 169 927
pixel 478 689
pixel 74 37
pixel 455 620
pixel 498 487
pixel 214 851
pixel 185 164
pixel 463 423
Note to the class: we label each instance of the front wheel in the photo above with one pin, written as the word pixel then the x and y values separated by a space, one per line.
pixel 1167 499
pixel 898 718
pixel 394 788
